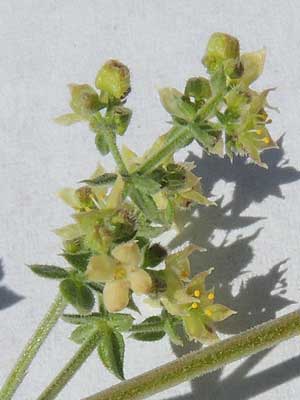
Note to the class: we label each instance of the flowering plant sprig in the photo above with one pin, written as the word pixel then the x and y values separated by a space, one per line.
pixel 112 250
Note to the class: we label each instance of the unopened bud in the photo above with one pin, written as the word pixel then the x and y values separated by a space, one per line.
pixel 154 255
pixel 199 88
pixel 84 196
pixel 121 117
pixel 221 47
pixel 84 100
pixel 114 79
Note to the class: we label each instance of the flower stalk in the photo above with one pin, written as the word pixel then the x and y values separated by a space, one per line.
pixel 17 375
pixel 206 360
pixel 71 367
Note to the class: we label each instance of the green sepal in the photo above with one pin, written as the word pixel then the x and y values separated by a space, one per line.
pixel 111 351
pixel 82 333
pixel 49 271
pixel 150 330
pixel 98 287
pixel 146 204
pixel 77 294
pixel 78 260
pixel 132 306
pixel 102 180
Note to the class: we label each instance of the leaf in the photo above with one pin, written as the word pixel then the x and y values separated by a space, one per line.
pixel 150 330
pixel 121 322
pixel 98 287
pixel 146 204
pixel 172 100
pixel 78 260
pixel 145 184
pixel 77 294
pixel 82 333
pixel 170 326
pixel 68 119
pixel 111 352
pixel 49 271
pixel 78 319
pixel 101 144
pixel 101 180
pixel 132 306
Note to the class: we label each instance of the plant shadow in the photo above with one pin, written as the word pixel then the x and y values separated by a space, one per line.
pixel 258 298
pixel 7 296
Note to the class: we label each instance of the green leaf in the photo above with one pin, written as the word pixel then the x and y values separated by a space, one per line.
pixel 77 319
pixel 174 102
pixel 82 333
pixel 150 330
pixel 132 306
pixel 78 260
pixel 49 271
pixel 111 352
pixel 145 184
pixel 98 287
pixel 102 180
pixel 121 322
pixel 101 144
pixel 171 328
pixel 77 294
pixel 146 204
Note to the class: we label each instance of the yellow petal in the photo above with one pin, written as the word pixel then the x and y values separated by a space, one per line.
pixel 199 330
pixel 101 268
pixel 218 312
pixel 116 295
pixel 128 253
pixel 68 195
pixel 140 281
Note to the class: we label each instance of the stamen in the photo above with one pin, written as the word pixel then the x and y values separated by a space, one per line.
pixel 266 140
pixel 210 296
pixel 197 293
pixel 194 306
pixel 208 313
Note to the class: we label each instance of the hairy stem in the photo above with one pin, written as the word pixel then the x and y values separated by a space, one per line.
pixel 71 367
pixel 19 371
pixel 206 360
pixel 181 136
pixel 111 141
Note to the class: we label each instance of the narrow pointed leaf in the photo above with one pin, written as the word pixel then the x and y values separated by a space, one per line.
pixel 49 271
pixel 111 351
pixel 77 294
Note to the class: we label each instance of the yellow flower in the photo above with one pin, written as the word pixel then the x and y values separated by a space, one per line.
pixel 195 305
pixel 120 272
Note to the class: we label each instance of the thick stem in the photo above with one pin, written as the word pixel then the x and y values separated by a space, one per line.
pixel 71 367
pixel 180 137
pixel 17 375
pixel 206 360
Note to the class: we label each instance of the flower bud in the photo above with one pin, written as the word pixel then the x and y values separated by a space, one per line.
pixel 199 88
pixel 154 255
pixel 233 68
pixel 121 117
pixel 84 100
pixel 84 196
pixel 221 47
pixel 114 79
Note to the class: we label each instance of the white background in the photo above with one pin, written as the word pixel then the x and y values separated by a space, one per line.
pixel 47 44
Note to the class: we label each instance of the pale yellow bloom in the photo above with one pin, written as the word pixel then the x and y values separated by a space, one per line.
pixel 120 272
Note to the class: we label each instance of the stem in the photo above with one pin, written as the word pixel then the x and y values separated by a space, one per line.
pixel 205 360
pixel 111 141
pixel 18 373
pixel 71 367
pixel 180 137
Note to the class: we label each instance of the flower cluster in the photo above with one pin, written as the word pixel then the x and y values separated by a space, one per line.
pixel 112 245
